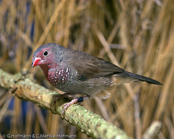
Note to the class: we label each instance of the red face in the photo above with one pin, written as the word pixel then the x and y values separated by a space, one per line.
pixel 43 57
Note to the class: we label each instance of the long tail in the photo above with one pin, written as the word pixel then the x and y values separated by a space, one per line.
pixel 142 78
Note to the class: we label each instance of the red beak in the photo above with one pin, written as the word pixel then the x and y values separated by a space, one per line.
pixel 36 61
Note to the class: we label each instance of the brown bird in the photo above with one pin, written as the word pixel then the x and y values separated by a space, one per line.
pixel 76 72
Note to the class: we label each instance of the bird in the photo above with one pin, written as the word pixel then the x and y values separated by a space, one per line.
pixel 76 72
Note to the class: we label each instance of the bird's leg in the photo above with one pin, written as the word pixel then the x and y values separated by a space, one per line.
pixel 75 100
pixel 59 97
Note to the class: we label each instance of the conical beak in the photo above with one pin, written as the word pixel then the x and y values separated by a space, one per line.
pixel 36 61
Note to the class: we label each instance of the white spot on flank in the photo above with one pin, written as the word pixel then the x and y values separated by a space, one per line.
pixel 63 80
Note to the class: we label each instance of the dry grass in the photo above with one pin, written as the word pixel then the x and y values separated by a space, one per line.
pixel 137 35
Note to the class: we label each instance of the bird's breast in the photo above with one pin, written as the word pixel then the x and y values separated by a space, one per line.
pixel 58 77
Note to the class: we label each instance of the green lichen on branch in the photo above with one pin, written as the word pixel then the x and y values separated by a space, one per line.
pixel 86 121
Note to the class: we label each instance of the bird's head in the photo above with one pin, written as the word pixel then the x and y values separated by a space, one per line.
pixel 45 56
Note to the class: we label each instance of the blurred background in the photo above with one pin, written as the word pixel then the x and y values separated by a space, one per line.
pixel 137 35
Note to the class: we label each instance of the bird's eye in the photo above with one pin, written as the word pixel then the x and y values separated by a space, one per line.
pixel 45 53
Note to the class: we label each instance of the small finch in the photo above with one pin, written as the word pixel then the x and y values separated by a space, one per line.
pixel 76 72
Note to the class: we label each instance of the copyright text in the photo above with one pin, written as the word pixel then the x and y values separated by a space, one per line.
pixel 38 136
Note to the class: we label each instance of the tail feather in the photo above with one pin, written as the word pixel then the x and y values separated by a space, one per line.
pixel 143 78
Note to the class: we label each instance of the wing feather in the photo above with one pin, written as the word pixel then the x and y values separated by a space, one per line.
pixel 92 67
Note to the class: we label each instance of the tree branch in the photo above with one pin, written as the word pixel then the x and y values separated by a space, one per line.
pixel 86 121
pixel 153 130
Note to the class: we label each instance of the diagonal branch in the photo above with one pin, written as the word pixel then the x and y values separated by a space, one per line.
pixel 86 121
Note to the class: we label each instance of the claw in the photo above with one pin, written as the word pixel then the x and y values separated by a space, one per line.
pixel 73 101
pixel 67 105
pixel 58 98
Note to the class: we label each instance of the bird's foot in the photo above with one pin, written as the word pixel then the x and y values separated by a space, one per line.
pixel 60 99
pixel 75 100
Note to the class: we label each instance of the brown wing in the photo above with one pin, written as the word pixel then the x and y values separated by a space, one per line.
pixel 92 67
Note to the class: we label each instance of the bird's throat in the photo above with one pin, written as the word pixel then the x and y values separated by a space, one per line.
pixel 45 69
